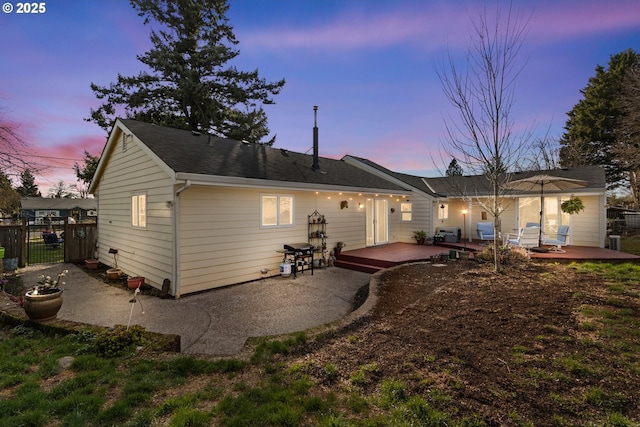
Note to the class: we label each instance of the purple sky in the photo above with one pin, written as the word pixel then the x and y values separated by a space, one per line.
pixel 369 65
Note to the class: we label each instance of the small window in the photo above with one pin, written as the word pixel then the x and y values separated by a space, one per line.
pixel 139 210
pixel 443 211
pixel 406 211
pixel 276 211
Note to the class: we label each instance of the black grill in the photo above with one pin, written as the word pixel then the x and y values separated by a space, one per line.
pixel 300 255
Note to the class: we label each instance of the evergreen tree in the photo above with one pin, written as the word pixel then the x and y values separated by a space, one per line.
pixel 627 148
pixel 28 187
pixel 85 173
pixel 454 168
pixel 188 85
pixel 9 197
pixel 590 131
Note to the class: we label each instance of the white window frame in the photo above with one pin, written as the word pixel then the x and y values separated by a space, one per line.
pixel 406 211
pixel 139 210
pixel 280 201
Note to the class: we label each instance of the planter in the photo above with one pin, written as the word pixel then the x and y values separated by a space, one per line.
pixel 135 282
pixel 444 257
pixel 92 264
pixel 114 274
pixel 463 255
pixel 10 264
pixel 420 241
pixel 44 305
pixel 435 258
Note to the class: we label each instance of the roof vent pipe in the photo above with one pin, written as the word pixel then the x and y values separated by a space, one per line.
pixel 316 162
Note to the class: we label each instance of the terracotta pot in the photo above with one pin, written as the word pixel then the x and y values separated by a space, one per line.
pixel 92 264
pixel 135 282
pixel 114 274
pixel 44 305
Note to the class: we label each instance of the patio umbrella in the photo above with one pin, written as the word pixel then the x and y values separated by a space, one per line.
pixel 542 182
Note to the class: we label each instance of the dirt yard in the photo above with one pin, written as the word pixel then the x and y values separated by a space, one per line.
pixel 509 347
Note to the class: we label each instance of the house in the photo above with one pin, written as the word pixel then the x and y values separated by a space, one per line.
pixel 206 212
pixel 40 208
pixel 461 201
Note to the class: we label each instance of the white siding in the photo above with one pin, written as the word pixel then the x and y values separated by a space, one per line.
pixel 586 228
pixel 221 242
pixel 141 252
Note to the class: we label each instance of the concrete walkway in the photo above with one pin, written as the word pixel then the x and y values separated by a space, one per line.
pixel 216 322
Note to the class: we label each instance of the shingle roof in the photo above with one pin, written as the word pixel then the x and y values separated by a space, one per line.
pixel 186 152
pixel 412 180
pixel 57 203
pixel 479 185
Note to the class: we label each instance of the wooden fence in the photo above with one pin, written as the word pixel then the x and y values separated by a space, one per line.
pixel 79 239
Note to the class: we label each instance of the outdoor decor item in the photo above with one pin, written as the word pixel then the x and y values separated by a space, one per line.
pixel 540 182
pixel 135 282
pixel 43 302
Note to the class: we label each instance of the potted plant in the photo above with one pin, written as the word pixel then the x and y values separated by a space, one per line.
pixel 573 205
pixel 43 302
pixel 339 247
pixel 420 236
pixel 92 264
pixel 135 282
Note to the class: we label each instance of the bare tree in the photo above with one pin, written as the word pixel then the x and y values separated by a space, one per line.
pixel 482 93
pixel 15 155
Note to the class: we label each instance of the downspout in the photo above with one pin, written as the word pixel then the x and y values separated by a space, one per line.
pixel 176 237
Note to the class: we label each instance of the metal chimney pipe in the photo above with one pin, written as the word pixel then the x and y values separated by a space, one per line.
pixel 316 161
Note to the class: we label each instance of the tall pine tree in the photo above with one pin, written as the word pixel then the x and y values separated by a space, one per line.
pixel 188 84
pixel 590 132
pixel 28 186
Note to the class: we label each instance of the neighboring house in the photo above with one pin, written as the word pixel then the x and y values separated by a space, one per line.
pixel 40 208
pixel 206 212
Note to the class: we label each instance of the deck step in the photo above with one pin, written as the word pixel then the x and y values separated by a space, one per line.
pixel 365 268
pixel 381 264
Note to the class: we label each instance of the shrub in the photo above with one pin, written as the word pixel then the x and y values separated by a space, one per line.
pixel 118 340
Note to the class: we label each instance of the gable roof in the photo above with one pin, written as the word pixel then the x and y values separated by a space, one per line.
pixel 414 181
pixel 190 154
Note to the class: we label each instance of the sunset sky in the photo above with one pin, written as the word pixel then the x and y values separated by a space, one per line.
pixel 369 65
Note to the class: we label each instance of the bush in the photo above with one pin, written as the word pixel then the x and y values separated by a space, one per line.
pixel 506 255
pixel 115 342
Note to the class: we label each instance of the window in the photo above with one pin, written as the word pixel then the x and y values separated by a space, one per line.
pixel 406 212
pixel 443 211
pixel 139 210
pixel 276 211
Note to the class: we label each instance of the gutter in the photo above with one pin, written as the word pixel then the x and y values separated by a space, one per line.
pixel 176 238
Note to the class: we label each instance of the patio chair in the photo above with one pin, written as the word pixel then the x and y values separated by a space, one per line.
pixel 560 240
pixel 485 231
pixel 51 240
pixel 527 238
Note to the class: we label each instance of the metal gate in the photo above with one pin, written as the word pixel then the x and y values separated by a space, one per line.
pixel 45 240
pixel 55 240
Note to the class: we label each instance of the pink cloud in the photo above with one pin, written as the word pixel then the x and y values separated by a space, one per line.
pixel 432 25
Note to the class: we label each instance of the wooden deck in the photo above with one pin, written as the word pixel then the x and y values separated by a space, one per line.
pixel 376 258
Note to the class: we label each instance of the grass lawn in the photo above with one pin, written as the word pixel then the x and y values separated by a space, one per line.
pixel 113 378
pixel 39 253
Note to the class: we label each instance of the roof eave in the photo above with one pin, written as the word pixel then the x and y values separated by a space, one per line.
pixel 227 181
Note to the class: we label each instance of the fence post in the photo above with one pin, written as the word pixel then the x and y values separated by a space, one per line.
pixel 22 258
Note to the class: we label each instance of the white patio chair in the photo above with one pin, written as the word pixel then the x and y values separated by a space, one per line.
pixel 528 238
